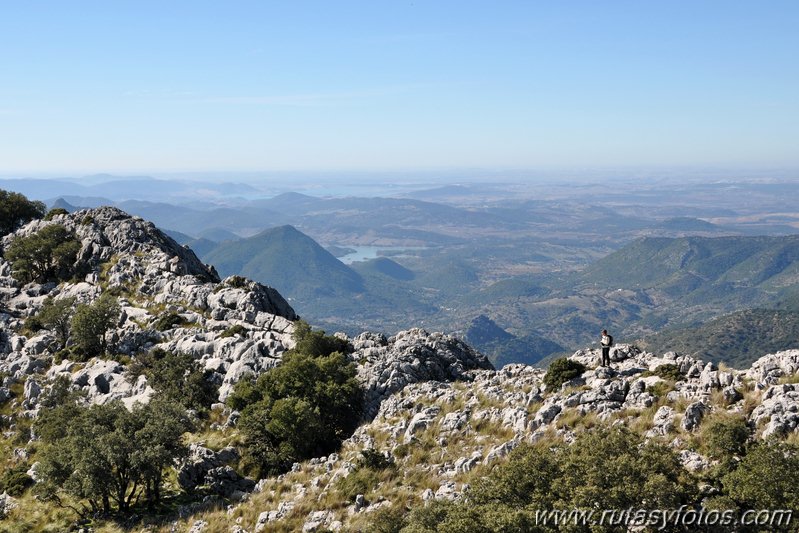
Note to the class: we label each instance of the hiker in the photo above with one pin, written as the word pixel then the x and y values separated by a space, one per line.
pixel 606 342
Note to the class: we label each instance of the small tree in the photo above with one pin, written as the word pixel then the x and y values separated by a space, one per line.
pixel 16 210
pixel 316 343
pixel 56 315
pixel 179 378
pixel 90 323
pixel 47 255
pixel 724 438
pixel 106 457
pixel 163 423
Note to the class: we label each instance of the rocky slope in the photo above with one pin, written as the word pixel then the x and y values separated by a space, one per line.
pixel 439 431
pixel 434 406
pixel 155 277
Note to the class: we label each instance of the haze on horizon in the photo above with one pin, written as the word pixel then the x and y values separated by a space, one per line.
pixel 144 87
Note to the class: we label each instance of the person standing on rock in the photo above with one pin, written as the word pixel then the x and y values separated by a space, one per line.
pixel 606 342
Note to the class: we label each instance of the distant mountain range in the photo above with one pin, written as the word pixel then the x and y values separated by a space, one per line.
pixel 550 269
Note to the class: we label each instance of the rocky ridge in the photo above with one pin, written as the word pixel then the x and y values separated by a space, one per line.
pixel 156 277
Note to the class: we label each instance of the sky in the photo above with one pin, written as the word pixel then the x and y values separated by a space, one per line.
pixel 196 86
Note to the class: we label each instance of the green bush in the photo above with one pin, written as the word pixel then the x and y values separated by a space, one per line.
pixel 724 437
pixel 16 210
pixel 246 392
pixel 236 329
pixel 316 343
pixel 56 315
pixel 237 282
pixel 47 255
pixel 55 212
pixel 659 389
pixel 562 370
pixel 167 321
pixel 88 219
pixel 105 457
pixel 180 379
pixel 388 520
pixel 15 481
pixel 670 372
pixel 371 458
pixel 608 468
pixel 373 468
pixel 766 478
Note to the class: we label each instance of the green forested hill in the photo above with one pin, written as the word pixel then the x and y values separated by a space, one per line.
pixel 680 266
pixel 288 260
pixel 737 339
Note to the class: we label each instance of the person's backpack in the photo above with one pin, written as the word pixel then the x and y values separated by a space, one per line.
pixel 610 340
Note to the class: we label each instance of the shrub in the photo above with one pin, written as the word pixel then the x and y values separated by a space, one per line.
pixel 16 210
pixel 180 379
pixel 608 468
pixel 106 457
pixel 55 212
pixel 15 481
pixel 236 329
pixel 724 437
pixel 371 458
pixel 244 393
pixel 56 315
pixel 237 282
pixel 562 370
pixel 47 255
pixel 373 468
pixel 168 321
pixel 316 343
pixel 659 389
pixel 388 520
pixel 88 219
pixel 766 478
pixel 668 372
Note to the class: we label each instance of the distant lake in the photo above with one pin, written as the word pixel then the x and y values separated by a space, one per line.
pixel 365 253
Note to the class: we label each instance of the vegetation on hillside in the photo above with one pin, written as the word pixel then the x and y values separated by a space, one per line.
pixel 103 459
pixel 737 339
pixel 16 210
pixel 303 408
pixel 47 255
pixel 90 323
pixel 562 370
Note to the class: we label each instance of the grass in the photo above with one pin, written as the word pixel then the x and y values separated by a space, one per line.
pixel 661 388
pixel 751 400
pixel 789 380
pixel 574 419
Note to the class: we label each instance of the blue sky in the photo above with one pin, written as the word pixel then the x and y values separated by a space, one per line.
pixel 247 86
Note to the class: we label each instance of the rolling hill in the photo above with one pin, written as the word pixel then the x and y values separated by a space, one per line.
pixel 737 339
pixel 288 260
